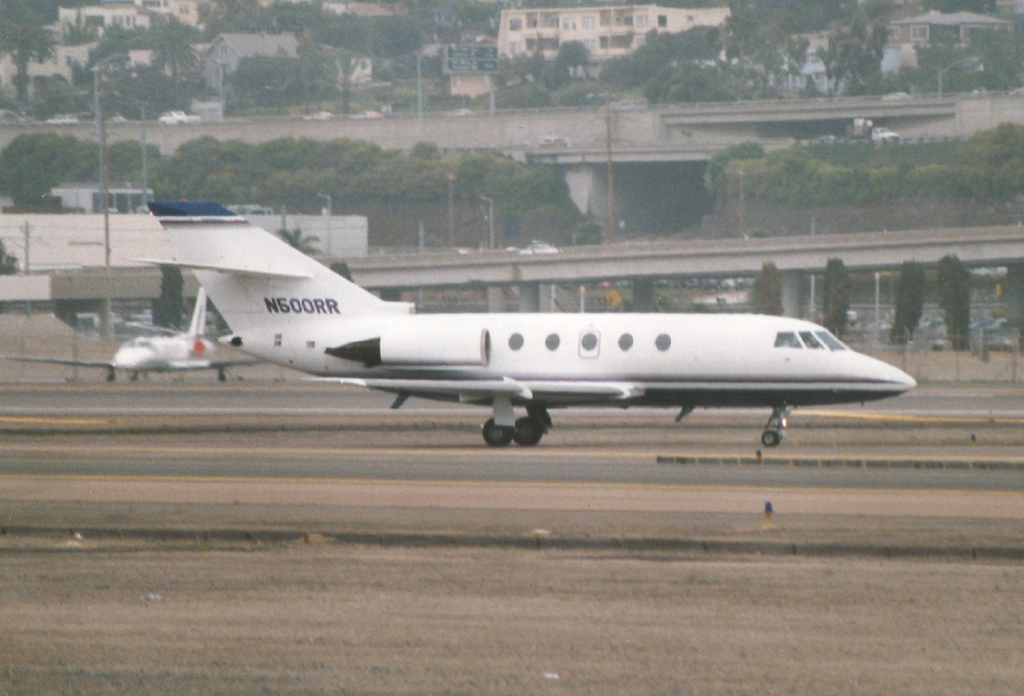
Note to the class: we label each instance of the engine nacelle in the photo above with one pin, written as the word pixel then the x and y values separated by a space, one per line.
pixel 421 346
pixel 428 346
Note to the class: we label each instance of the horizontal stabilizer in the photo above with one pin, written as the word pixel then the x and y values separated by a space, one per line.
pixel 235 270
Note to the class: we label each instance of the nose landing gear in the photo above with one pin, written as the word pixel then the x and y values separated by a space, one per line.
pixel 775 430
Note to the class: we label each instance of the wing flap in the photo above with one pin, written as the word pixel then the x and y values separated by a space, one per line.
pixel 468 389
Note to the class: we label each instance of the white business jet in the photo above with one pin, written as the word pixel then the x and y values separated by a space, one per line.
pixel 288 309
pixel 177 352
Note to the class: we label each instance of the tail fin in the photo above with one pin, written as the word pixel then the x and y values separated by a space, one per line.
pixel 198 326
pixel 253 277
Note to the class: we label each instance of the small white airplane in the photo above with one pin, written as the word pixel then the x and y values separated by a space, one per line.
pixel 176 352
pixel 288 309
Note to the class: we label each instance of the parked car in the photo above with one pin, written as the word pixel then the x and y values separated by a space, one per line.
pixel 884 136
pixel 175 117
pixel 62 120
pixel 9 118
pixel 535 247
pixel 553 141
pixel 461 112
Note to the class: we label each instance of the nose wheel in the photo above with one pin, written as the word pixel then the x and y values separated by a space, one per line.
pixel 775 430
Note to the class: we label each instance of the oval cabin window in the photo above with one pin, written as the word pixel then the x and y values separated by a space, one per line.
pixel 515 341
pixel 552 342
pixel 625 341
pixel 663 342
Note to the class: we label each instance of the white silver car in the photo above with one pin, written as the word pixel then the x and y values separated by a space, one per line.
pixel 175 117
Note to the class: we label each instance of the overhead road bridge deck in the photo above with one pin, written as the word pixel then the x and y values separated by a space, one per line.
pixel 875 251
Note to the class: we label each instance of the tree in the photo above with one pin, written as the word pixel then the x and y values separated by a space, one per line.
pixel 909 302
pixel 954 285
pixel 34 163
pixel 173 48
pixel 8 263
pixel 768 290
pixel 574 55
pixel 836 298
pixel 853 57
pixel 168 308
pixel 25 38
pixel 976 6
pixel 307 244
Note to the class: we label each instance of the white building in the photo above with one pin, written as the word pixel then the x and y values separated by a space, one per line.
pixel 607 31
pixel 132 14
pixel 102 17
pixel 60 64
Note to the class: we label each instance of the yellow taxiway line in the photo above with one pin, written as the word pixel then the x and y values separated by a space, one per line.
pixel 633 497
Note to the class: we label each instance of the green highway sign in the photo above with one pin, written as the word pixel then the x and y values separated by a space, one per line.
pixel 470 59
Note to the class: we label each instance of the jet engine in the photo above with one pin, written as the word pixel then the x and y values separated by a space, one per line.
pixel 420 347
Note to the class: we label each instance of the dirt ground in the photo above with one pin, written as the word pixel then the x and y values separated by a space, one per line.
pixel 327 618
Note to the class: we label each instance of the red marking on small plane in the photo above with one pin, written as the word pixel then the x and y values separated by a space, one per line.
pixel 199 347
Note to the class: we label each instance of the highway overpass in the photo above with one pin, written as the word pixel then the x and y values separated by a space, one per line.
pixel 641 263
pixel 671 133
pixel 644 262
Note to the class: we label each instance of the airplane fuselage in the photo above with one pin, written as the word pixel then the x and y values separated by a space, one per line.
pixel 670 359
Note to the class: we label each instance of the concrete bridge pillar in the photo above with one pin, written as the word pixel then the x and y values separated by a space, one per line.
pixel 495 298
pixel 584 188
pixel 529 297
pixel 643 295
pixel 793 294
pixel 1014 295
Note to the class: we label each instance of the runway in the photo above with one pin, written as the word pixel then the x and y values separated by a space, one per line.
pixel 317 444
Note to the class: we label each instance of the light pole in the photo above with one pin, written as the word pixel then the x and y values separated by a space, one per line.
pixel 330 218
pixel 101 136
pixel 490 217
pixel 451 210
pixel 972 63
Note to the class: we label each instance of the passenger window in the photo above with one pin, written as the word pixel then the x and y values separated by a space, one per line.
pixel 590 342
pixel 552 342
pixel 809 340
pixel 830 340
pixel 625 341
pixel 663 342
pixel 515 341
pixel 787 339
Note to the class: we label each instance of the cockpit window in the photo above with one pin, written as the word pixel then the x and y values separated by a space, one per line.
pixel 787 339
pixel 809 340
pixel 830 340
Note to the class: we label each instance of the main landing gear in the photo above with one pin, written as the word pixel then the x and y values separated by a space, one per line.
pixel 526 432
pixel 775 430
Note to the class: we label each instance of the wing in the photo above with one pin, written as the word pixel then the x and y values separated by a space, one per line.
pixel 486 389
pixel 60 361
pixel 191 365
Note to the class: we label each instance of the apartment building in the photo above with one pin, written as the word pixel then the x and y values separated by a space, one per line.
pixel 606 31
pixel 129 15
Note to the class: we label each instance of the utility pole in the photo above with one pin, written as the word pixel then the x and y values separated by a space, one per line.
pixel 490 217
pixel 611 181
pixel 27 231
pixel 451 210
pixel 145 169
pixel 813 313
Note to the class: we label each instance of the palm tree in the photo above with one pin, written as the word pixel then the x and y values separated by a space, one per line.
pixel 24 37
pixel 174 52
pixel 307 244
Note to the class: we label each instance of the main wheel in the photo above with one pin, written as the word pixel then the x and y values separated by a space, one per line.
pixel 527 432
pixel 770 438
pixel 497 435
